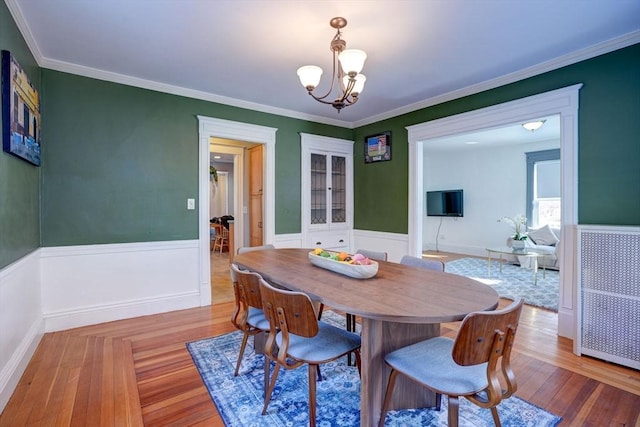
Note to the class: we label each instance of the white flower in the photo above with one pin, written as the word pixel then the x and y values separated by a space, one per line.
pixel 517 223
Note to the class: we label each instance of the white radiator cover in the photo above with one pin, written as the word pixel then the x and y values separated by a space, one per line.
pixel 609 293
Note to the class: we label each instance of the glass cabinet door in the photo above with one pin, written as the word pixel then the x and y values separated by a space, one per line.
pixel 318 189
pixel 338 189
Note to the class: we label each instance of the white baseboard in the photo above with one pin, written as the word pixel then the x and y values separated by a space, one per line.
pixel 15 367
pixel 91 315
pixel 21 324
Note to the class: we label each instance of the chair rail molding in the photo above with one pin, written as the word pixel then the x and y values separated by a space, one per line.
pixel 565 102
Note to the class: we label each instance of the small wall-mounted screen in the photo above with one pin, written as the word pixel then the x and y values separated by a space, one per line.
pixel 445 203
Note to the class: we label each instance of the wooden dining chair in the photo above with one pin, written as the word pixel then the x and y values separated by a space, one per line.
pixel 427 264
pixel 297 337
pixel 248 315
pixel 466 366
pixel 222 239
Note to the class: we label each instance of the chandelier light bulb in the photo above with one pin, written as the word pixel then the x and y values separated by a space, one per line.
pixel 310 76
pixel 359 85
pixel 352 60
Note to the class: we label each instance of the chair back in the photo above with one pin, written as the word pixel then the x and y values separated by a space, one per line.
pixel 247 286
pixel 483 335
pixel 487 337
pixel 291 312
pixel 254 248
pixel 379 256
pixel 426 264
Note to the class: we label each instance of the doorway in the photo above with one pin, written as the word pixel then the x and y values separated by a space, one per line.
pixel 564 102
pixel 209 128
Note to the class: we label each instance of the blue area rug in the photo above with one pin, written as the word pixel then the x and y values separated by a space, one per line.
pixel 513 282
pixel 239 399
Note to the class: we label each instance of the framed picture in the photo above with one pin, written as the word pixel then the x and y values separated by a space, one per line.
pixel 377 148
pixel 20 112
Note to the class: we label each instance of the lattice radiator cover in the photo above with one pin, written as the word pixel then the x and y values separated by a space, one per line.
pixel 609 294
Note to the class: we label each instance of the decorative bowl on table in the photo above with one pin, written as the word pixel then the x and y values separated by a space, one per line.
pixel 356 266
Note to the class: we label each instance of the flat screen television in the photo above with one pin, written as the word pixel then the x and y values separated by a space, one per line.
pixel 445 203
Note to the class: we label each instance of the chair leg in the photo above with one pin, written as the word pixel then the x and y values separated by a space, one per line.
pixel 387 396
pixel 245 337
pixel 453 411
pixel 357 353
pixel 320 309
pixel 350 320
pixel 318 372
pixel 312 395
pixel 438 401
pixel 272 383
pixel 496 417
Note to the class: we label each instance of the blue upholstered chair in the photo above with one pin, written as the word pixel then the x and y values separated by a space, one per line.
pixel 246 249
pixel 247 315
pixel 378 256
pixel 427 264
pixel 297 337
pixel 466 366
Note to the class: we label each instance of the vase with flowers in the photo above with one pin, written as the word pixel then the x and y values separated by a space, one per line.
pixel 519 224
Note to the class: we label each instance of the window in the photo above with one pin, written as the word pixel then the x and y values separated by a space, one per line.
pixel 543 188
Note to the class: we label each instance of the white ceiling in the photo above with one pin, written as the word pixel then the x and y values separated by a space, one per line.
pixel 246 52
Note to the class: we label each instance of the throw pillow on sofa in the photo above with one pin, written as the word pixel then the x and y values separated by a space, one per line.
pixel 543 236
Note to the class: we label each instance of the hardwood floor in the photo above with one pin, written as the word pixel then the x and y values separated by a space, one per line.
pixel 138 372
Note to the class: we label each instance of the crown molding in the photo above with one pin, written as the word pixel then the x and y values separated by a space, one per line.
pixel 109 76
pixel 553 64
pixel 16 13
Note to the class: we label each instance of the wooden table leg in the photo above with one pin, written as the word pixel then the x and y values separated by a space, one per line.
pixel 378 339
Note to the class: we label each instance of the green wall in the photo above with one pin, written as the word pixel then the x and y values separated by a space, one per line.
pixel 19 180
pixel 609 143
pixel 121 161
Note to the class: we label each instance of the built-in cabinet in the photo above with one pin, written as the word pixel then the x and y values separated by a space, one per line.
pixel 327 192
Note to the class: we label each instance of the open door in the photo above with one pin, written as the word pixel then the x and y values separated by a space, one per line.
pixel 255 195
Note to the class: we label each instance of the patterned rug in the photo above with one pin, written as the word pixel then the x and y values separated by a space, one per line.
pixel 239 399
pixel 513 282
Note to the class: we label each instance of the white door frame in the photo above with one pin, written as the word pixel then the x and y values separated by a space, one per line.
pixel 208 128
pixel 563 101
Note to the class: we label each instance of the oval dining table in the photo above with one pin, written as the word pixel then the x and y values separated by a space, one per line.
pixel 399 306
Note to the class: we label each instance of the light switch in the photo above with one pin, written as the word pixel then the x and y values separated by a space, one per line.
pixel 191 204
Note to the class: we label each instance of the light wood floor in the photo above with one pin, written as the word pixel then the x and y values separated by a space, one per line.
pixel 138 372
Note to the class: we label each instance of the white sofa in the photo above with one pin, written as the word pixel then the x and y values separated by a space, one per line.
pixel 545 239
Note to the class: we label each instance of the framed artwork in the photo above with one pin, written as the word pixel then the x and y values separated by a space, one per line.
pixel 20 112
pixel 377 148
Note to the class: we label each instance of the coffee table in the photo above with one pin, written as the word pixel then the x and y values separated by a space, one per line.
pixel 526 252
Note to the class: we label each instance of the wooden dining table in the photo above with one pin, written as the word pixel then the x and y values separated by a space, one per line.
pixel 399 306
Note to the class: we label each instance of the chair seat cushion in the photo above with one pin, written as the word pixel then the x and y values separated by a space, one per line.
pixel 257 319
pixel 430 363
pixel 329 343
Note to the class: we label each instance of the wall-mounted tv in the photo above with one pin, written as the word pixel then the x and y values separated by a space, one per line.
pixel 445 203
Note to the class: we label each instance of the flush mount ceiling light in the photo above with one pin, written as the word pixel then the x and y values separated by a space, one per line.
pixel 533 126
pixel 350 81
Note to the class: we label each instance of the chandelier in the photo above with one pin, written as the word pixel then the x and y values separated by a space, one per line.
pixel 348 76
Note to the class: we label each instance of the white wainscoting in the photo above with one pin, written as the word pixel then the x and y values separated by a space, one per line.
pixel 21 324
pixel 394 244
pixel 84 285
pixel 293 240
